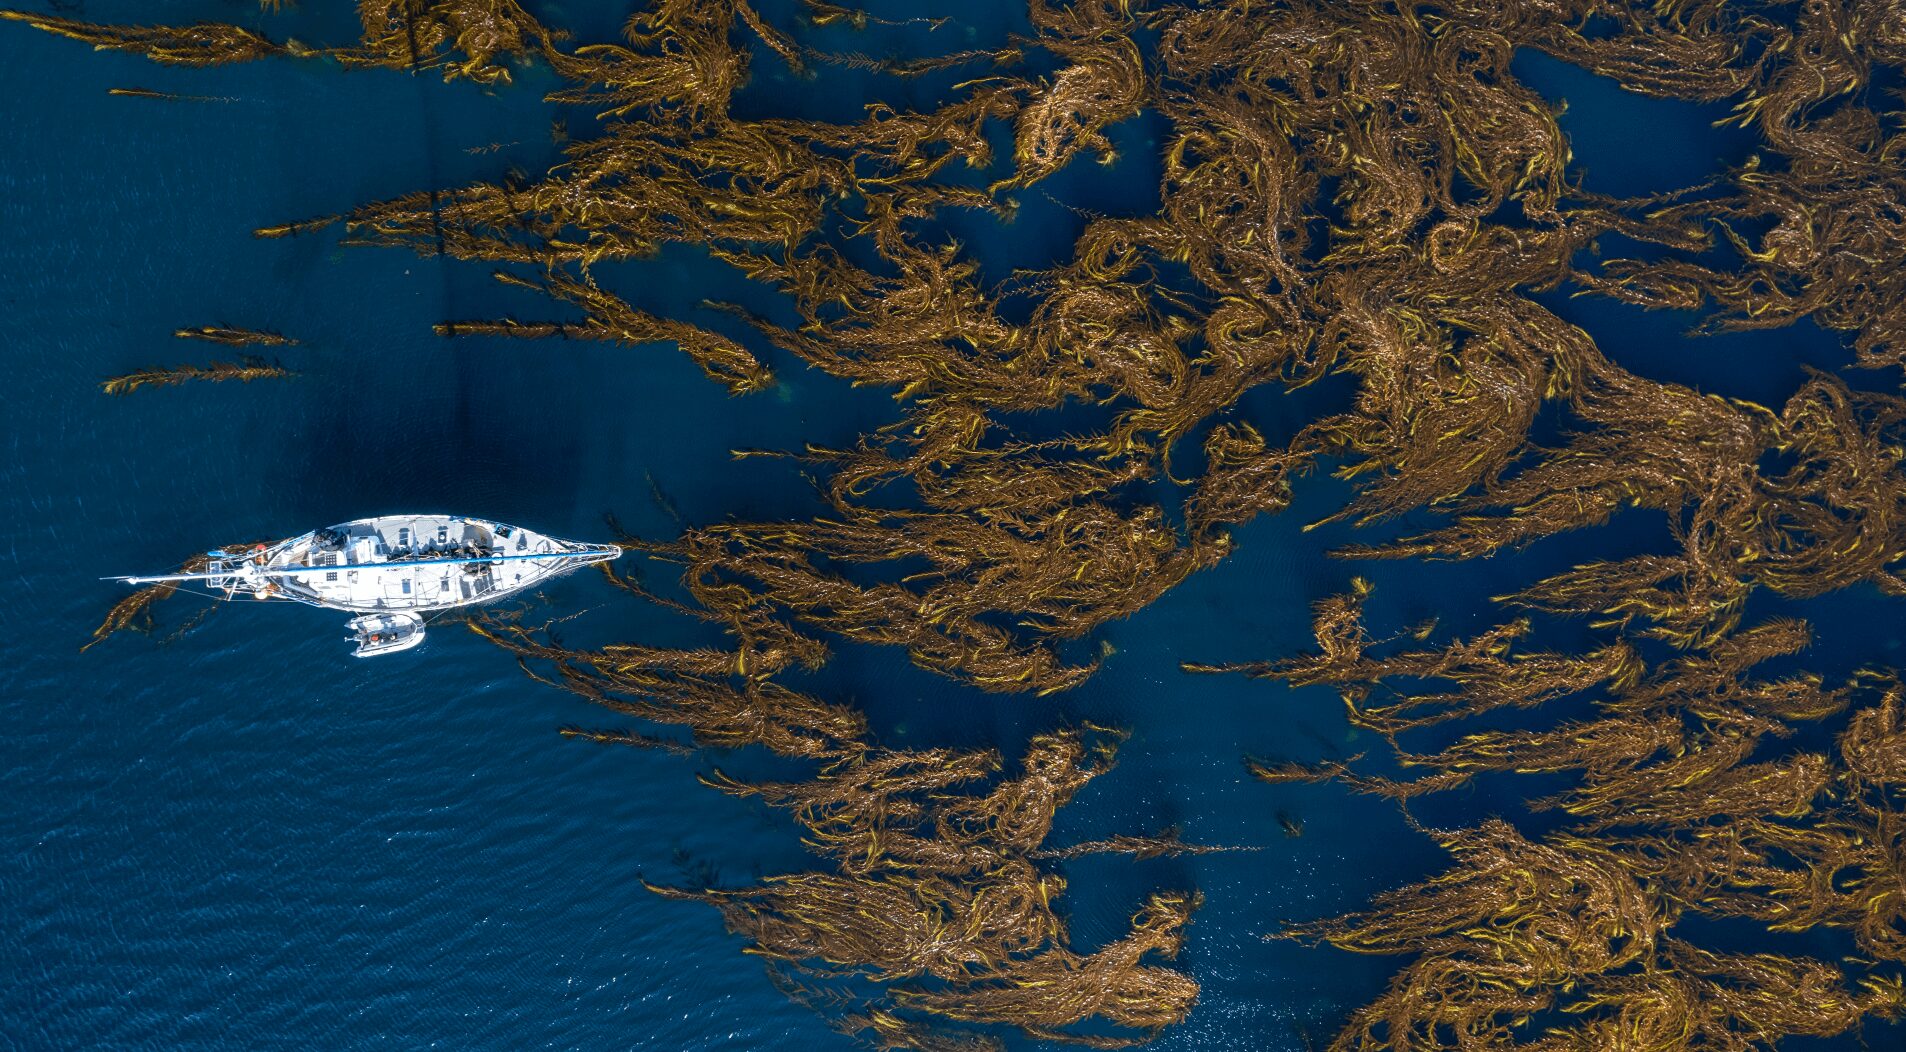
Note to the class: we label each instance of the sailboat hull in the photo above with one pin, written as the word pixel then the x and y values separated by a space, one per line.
pixel 408 563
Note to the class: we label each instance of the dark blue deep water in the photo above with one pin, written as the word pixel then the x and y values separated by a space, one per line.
pixel 244 839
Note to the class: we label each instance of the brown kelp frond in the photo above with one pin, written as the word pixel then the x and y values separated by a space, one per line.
pixel 245 369
pixel 134 612
pixel 679 61
pixel 1103 82
pixel 201 44
pixel 467 38
pixel 1874 742
pixel 883 808
pixel 1504 934
pixel 610 318
pixel 1058 988
pixel 1676 599
pixel 1018 813
pixel 235 337
pixel 1642 443
pixel 1700 828
pixel 915 67
pixel 1813 237
pixel 303 226
pixel 870 812
pixel 722 698
pixel 1486 672
pixel 885 1030
pixel 1167 843
pixel 1518 928
pixel 166 96
pixel 1244 478
pixel 822 13
pixel 1654 727
pixel 1057 575
pixel 640 741
pixel 1572 900
pixel 1698 999
pixel 893 926
pixel 937 879
pixel 1802 502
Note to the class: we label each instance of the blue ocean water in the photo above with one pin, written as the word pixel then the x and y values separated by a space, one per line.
pixel 245 839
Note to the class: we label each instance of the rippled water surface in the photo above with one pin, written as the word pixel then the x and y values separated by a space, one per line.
pixel 246 839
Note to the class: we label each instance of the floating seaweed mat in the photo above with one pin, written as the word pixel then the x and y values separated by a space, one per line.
pixel 1673 811
pixel 1566 930
pixel 1351 189
pixel 937 897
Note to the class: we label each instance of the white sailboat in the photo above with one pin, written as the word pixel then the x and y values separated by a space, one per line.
pixel 394 571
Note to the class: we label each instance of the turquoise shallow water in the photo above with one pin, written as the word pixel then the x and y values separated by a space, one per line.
pixel 244 839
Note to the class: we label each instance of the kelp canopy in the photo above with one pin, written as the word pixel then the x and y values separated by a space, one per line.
pixel 1357 189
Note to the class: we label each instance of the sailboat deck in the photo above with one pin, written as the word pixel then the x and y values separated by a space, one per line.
pixel 415 563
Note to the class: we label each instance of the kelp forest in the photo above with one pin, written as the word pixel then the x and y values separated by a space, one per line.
pixel 1352 193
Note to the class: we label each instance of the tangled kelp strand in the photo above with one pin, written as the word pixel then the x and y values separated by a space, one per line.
pixel 610 318
pixel 167 96
pixel 204 44
pixel 1165 844
pixel 1058 988
pixel 245 369
pixel 1826 514
pixel 1488 673
pixel 134 612
pixel 940 884
pixel 231 337
pixel 465 37
pixel 640 741
pixel 693 688
pixel 1103 82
